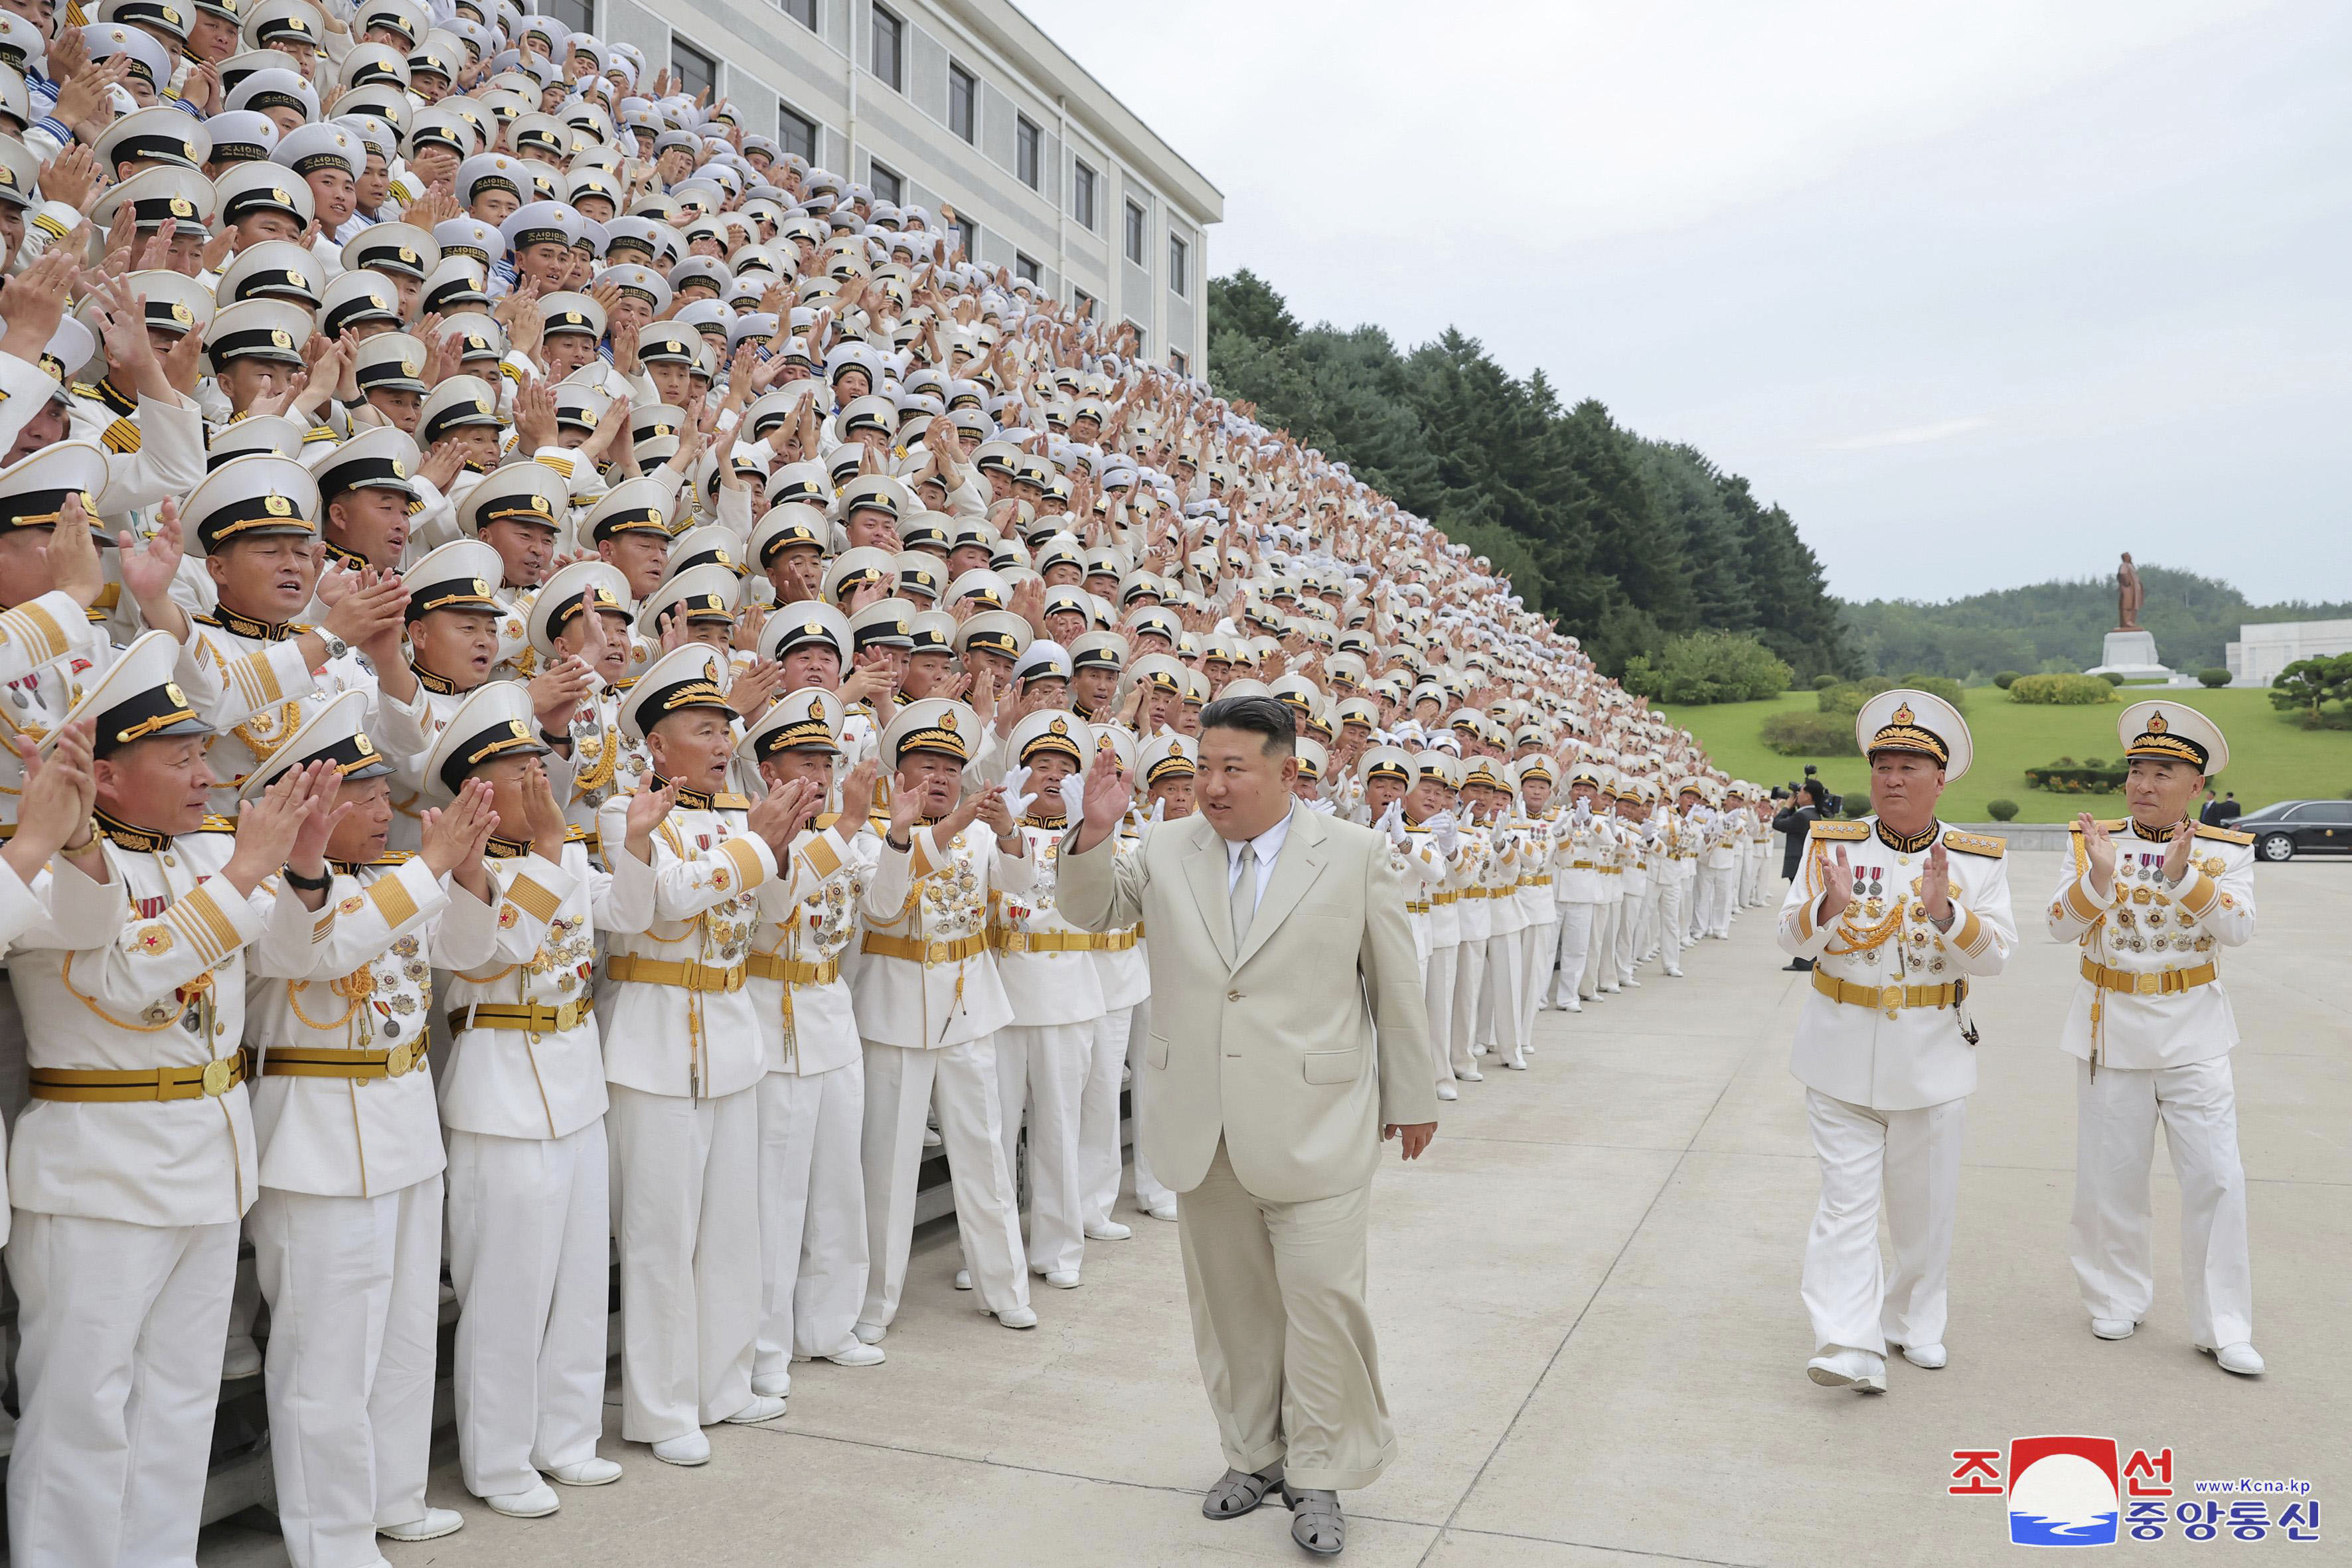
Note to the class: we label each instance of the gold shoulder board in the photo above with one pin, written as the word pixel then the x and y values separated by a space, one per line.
pixel 1975 844
pixel 1845 830
pixel 731 803
pixel 2225 834
pixel 218 824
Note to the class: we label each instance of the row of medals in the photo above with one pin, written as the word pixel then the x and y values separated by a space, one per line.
pixel 2142 891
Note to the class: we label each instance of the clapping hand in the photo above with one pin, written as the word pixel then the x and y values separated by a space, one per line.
pixel 1840 892
pixel 646 809
pixel 266 829
pixel 857 790
pixel 1015 783
pixel 1074 795
pixel 320 820
pixel 1935 884
pixel 777 816
pixel 1392 822
pixel 58 790
pixel 457 832
pixel 1447 832
pixel 2176 854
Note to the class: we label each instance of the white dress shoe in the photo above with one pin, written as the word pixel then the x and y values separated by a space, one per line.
pixel 2241 1358
pixel 1576 1005
pixel 2113 1327
pixel 1471 1074
pixel 963 1279
pixel 1164 1209
pixel 1060 1278
pixel 1635 983
pixel 1932 1357
pixel 931 1137
pixel 763 1407
pixel 1513 1064
pixel 1676 973
pixel 859 1355
pixel 1108 1230
pixel 694 1449
pixel 241 1359
pixel 596 1472
pixel 1017 1316
pixel 436 1523
pixel 1861 1370
pixel 1447 1092
pixel 531 1502
pixel 869 1334
pixel 771 1385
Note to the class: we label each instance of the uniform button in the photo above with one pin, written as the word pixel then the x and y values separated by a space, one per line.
pixel 169 861
pixel 1233 995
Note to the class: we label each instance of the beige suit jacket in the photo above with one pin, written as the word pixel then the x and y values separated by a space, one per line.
pixel 1294 1049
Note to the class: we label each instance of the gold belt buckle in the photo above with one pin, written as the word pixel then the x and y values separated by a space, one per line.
pixel 399 1060
pixel 2148 985
pixel 1891 998
pixel 220 1074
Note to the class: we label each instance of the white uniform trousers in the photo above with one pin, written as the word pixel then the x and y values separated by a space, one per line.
pixel 811 1215
pixel 1498 1007
pixel 1282 1330
pixel 1719 909
pixel 1913 1157
pixel 1437 996
pixel 1469 990
pixel 354 1293
pixel 1654 902
pixel 120 1332
pixel 2116 1115
pixel 1046 1066
pixel 1702 905
pixel 686 1173
pixel 898 1091
pixel 1099 1117
pixel 1575 937
pixel 1149 1189
pixel 1535 968
pixel 1751 879
pixel 1670 927
pixel 1627 948
pixel 1600 951
pixel 530 1224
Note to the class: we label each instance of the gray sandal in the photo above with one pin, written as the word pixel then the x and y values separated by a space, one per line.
pixel 1316 1521
pixel 1238 1492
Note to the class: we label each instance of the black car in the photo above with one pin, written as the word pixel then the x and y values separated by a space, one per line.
pixel 2286 828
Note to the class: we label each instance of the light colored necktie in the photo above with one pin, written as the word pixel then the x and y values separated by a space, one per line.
pixel 1243 899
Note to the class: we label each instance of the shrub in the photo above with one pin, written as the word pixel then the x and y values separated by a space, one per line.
pixel 2212 678
pixel 2065 690
pixel 1823 682
pixel 2002 810
pixel 1846 698
pixel 1950 690
pixel 1857 804
pixel 2005 679
pixel 1709 666
pixel 1808 735
pixel 2112 677
pixel 2314 690
pixel 2066 776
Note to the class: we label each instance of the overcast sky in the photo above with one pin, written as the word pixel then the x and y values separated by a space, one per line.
pixel 1983 293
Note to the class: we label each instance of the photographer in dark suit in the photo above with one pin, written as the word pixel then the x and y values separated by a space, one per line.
pixel 1794 821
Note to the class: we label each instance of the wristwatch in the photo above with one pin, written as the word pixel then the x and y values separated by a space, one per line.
pixel 336 646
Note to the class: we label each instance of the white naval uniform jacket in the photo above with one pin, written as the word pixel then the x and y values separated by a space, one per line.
pixel 1124 972
pixel 2162 936
pixel 1535 899
pixel 810 1027
pixel 1423 871
pixel 1910 1057
pixel 365 983
pixel 153 448
pixel 1473 872
pixel 935 895
pixel 262 664
pixel 1723 842
pixel 541 951
pixel 1505 917
pixel 713 883
pixel 419 723
pixel 164 988
pixel 1043 987
pixel 35 701
pixel 1579 851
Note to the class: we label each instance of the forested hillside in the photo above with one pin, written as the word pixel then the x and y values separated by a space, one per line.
pixel 2059 626
pixel 1624 540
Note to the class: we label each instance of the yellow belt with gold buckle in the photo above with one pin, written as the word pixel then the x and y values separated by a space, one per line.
pixel 2150 982
pixel 528 1017
pixel 309 1061
pixel 99 1085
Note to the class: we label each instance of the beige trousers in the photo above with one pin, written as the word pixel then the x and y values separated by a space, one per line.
pixel 1283 1333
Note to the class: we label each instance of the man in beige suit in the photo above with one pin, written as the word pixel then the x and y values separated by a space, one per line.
pixel 1270 1094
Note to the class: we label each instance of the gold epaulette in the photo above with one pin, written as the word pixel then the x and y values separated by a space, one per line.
pixel 1842 830
pixel 826 819
pixel 2225 834
pixel 731 803
pixel 1975 843
pixel 2117 825
pixel 576 834
pixel 394 857
pixel 218 824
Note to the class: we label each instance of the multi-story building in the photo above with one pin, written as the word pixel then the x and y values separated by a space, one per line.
pixel 966 105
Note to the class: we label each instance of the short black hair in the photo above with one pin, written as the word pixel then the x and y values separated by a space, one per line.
pixel 1266 717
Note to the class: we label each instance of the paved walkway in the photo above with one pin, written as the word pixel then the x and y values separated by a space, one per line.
pixel 1589 1330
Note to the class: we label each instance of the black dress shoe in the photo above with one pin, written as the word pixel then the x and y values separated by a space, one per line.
pixel 1799 965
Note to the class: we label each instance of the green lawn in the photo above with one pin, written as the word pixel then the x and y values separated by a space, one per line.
pixel 2271 759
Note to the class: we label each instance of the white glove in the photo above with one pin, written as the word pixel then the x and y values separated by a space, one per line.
pixel 1159 810
pixel 1015 783
pixel 1447 832
pixel 1074 795
pixel 1320 807
pixel 1392 822
pixel 1583 811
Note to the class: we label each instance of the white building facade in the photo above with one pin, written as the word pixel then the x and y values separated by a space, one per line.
pixel 2265 649
pixel 964 103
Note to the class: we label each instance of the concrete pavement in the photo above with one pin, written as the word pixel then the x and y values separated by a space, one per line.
pixel 1589 1331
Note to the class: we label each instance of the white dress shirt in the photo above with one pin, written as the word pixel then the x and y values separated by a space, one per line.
pixel 1268 845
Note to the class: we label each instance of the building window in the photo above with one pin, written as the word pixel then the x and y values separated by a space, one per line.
pixel 890 49
pixel 697 72
pixel 1177 362
pixel 886 184
pixel 577 15
pixel 795 131
pixel 801 11
pixel 968 235
pixel 1176 264
pixel 1025 266
pixel 1079 302
pixel 1082 196
pixel 963 103
pixel 1135 234
pixel 1137 328
pixel 1028 148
